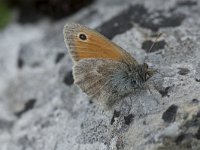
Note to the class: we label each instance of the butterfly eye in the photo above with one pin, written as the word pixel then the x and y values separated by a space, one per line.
pixel 82 36
pixel 133 82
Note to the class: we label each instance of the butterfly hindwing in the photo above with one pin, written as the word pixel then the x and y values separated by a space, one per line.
pixel 96 80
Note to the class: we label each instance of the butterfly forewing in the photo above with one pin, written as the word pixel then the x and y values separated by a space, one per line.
pixel 83 43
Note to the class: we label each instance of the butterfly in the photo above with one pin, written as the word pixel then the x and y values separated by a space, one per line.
pixel 102 69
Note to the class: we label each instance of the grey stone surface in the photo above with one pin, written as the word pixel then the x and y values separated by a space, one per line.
pixel 40 108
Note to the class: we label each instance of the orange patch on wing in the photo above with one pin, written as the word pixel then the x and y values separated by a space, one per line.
pixel 96 47
pixel 84 43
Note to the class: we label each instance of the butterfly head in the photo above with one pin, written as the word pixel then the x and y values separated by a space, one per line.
pixel 144 72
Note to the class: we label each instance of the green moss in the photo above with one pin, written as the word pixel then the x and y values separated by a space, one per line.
pixel 5 14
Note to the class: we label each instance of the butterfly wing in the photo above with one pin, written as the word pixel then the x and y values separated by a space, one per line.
pixel 83 42
pixel 94 77
pixel 96 60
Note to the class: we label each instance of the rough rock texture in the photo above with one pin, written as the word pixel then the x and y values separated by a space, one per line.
pixel 41 109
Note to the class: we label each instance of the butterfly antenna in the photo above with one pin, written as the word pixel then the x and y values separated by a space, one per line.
pixel 159 35
pixel 156 71
pixel 149 89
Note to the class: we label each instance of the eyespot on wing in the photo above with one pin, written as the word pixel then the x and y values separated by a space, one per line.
pixel 83 43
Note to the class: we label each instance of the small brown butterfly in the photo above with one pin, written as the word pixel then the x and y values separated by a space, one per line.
pixel 102 69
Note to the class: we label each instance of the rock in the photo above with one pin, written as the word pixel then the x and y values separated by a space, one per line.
pixel 170 114
pixel 42 109
pixel 184 133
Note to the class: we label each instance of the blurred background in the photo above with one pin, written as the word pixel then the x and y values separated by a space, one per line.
pixel 32 11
